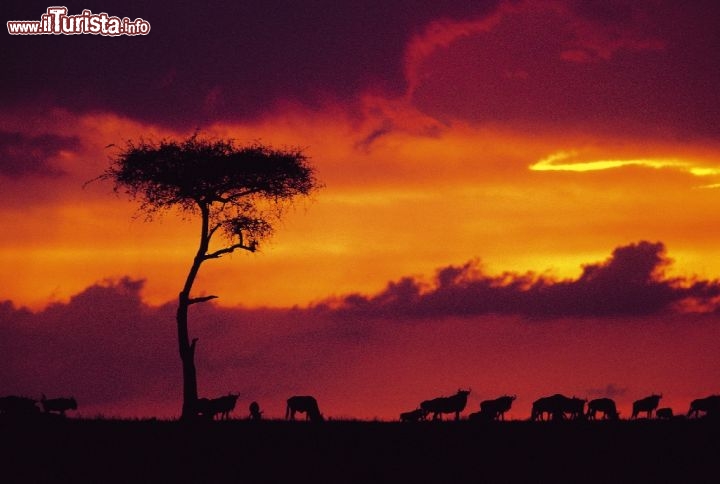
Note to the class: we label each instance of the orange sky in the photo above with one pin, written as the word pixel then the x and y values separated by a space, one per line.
pixel 404 205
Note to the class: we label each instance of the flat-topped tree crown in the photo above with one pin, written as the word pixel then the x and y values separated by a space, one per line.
pixel 243 188
pixel 239 191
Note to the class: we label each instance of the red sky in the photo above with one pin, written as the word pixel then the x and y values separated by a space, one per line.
pixel 520 197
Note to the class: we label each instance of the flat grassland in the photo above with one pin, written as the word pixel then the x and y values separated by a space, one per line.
pixel 122 451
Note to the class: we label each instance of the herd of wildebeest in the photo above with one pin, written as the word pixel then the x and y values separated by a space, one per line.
pixel 552 408
pixel 557 407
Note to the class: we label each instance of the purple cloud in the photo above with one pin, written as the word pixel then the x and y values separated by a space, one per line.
pixel 106 347
pixel 645 69
pixel 630 283
pixel 104 335
pixel 23 155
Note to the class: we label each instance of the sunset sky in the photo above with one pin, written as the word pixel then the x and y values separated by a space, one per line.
pixel 519 197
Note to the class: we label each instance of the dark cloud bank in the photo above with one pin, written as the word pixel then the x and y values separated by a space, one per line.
pixel 216 60
pixel 632 282
pixel 622 68
pixel 224 60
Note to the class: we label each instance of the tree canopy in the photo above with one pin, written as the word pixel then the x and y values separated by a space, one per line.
pixel 243 188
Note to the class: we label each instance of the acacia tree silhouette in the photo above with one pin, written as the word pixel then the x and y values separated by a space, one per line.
pixel 239 192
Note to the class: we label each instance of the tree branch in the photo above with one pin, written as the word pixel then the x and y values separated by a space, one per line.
pixel 229 250
pixel 236 196
pixel 196 300
pixel 213 230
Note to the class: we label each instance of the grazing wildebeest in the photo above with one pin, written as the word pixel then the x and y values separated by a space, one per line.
pixel 556 406
pixel 710 405
pixel 664 413
pixel 59 405
pixel 454 404
pixel 13 406
pixel 604 405
pixel 413 416
pixel 303 404
pixel 544 405
pixel 647 404
pixel 495 409
pixel 576 408
pixel 255 412
pixel 222 406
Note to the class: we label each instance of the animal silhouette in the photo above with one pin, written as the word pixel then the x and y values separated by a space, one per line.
pixel 453 404
pixel 495 409
pixel 556 407
pixel 255 412
pixel 222 406
pixel 647 404
pixel 710 406
pixel 604 405
pixel 303 404
pixel 664 413
pixel 576 408
pixel 547 405
pixel 413 416
pixel 59 405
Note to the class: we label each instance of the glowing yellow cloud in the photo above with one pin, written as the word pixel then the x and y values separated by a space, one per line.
pixel 554 163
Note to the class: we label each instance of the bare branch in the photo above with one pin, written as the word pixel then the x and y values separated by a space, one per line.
pixel 212 231
pixel 196 300
pixel 229 250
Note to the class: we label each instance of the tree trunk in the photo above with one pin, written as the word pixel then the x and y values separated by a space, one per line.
pixel 187 356
pixel 187 348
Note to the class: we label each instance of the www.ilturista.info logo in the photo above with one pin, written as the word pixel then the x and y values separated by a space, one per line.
pixel 57 21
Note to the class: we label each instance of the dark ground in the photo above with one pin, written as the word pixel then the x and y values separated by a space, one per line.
pixel 105 451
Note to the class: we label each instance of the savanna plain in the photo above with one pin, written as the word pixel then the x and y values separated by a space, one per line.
pixel 152 451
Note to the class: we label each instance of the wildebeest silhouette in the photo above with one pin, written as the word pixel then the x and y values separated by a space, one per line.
pixel 255 412
pixel 303 404
pixel 557 406
pixel 604 405
pixel 709 405
pixel 413 416
pixel 576 408
pixel 222 406
pixel 59 405
pixel 647 404
pixel 18 407
pixel 664 413
pixel 453 404
pixel 495 409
